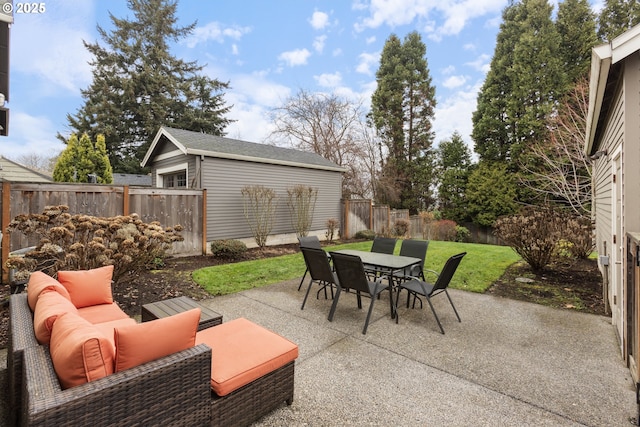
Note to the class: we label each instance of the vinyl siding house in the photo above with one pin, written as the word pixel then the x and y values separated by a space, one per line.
pixel 613 143
pixel 223 166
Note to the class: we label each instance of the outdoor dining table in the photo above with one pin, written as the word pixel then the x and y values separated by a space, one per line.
pixel 386 264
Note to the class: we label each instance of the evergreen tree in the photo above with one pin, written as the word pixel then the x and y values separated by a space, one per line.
pixel 537 76
pixel 81 159
pixel 491 193
pixel 524 81
pixel 616 17
pixel 454 166
pixel 576 25
pixel 402 109
pixel 139 86
pixel 492 127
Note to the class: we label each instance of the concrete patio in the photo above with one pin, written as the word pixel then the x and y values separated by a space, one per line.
pixel 507 363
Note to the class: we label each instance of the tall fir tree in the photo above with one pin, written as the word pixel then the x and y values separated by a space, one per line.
pixel 453 167
pixel 139 86
pixel 402 110
pixel 82 159
pixel 492 126
pixel 522 85
pixel 576 25
pixel 616 17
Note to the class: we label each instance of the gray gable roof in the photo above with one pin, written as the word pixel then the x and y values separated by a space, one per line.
pixel 189 142
pixel 15 172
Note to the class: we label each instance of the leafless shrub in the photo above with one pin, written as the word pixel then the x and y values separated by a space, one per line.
pixel 81 242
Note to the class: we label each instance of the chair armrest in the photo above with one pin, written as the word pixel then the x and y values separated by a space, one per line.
pixel 425 271
pixel 175 389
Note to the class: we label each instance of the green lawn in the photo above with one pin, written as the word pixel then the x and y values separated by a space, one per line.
pixel 482 266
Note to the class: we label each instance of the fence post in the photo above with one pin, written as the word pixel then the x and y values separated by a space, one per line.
pixel 347 209
pixel 125 200
pixel 6 239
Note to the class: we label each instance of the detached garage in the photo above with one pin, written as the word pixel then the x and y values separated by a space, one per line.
pixel 223 166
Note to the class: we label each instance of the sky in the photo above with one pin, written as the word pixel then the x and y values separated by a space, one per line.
pixel 267 50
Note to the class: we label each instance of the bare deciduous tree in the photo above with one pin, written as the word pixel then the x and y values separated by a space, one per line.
pixel 38 162
pixel 332 127
pixel 561 171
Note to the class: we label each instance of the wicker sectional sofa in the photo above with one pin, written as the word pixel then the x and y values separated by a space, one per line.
pixel 172 390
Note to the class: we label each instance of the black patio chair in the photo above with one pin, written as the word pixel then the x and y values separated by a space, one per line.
pixel 381 245
pixel 419 287
pixel 384 245
pixel 415 249
pixel 320 272
pixel 308 242
pixel 350 271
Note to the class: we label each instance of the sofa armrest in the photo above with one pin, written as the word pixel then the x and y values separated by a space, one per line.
pixel 175 389
pixel 21 336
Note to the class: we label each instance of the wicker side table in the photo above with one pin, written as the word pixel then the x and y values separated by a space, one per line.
pixel 169 307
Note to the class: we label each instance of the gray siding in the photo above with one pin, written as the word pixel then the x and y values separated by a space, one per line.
pixel 224 179
pixel 612 139
pixel 175 161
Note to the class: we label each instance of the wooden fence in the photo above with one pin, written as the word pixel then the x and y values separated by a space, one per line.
pixel 186 207
pixel 361 214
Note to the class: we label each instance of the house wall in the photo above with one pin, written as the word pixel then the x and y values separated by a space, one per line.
pixel 164 166
pixel 224 179
pixel 604 210
pixel 616 201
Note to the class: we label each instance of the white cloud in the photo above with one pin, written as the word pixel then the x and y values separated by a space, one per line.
pixel 252 97
pixel 454 114
pixel 319 20
pixel 454 82
pixel 481 63
pixel 318 43
pixel 456 14
pixel 36 135
pixel 49 47
pixel 217 32
pixel 366 61
pixel 370 40
pixel 295 57
pixel 328 80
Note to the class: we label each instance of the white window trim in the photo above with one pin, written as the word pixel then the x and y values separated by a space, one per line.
pixel 176 168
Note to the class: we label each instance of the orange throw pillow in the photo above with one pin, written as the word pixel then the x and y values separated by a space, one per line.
pixel 38 282
pixel 50 306
pixel 144 342
pixel 79 351
pixel 88 287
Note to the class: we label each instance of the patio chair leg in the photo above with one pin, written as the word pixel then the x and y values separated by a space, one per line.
pixel 359 299
pixel 304 301
pixel 335 303
pixel 366 322
pixel 436 316
pixel 303 277
pixel 396 306
pixel 454 307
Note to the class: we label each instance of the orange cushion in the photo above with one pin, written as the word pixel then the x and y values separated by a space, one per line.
pixel 38 282
pixel 88 287
pixel 102 313
pixel 144 342
pixel 50 306
pixel 79 351
pixel 243 352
